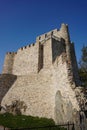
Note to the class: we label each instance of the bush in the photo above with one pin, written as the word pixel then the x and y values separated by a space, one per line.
pixel 22 121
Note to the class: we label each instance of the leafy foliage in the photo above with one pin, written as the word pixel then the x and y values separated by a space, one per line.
pixel 22 121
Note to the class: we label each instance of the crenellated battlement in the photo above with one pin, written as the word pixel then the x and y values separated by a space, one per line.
pixel 43 36
pixel 35 56
pixel 26 47
pixel 60 33
pixel 11 53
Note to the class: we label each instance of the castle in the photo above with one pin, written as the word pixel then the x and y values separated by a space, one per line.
pixel 45 77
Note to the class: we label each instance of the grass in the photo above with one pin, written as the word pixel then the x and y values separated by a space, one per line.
pixel 22 121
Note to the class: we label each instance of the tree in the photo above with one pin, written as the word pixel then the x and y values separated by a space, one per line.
pixel 83 66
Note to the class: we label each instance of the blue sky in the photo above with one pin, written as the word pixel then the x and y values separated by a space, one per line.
pixel 21 21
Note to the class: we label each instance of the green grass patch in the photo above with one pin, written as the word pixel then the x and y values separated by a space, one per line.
pixel 22 121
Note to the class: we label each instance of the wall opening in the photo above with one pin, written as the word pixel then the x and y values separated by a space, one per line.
pixel 40 64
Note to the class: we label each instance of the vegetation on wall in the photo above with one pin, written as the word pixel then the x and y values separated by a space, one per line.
pixel 16 107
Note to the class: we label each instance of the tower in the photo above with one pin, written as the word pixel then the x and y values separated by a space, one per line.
pixel 46 78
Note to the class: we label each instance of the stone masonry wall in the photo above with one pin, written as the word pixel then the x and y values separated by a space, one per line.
pixel 26 60
pixel 37 92
pixel 46 94
pixel 6 81
pixel 47 78
pixel 58 47
pixel 47 56
pixel 8 63
pixel 68 102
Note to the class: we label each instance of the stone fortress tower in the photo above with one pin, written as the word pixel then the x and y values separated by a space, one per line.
pixel 45 77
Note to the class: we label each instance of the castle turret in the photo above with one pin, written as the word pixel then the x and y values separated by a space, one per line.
pixel 65 33
pixel 8 63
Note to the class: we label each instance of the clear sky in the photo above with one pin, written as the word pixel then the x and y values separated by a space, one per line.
pixel 21 21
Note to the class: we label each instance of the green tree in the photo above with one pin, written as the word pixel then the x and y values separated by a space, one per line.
pixel 83 66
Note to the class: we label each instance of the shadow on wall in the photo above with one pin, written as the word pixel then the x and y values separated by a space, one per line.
pixel 57 49
pixel 58 107
pixel 6 81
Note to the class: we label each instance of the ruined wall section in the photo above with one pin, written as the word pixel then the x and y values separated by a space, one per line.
pixel 26 60
pixel 8 63
pixel 66 104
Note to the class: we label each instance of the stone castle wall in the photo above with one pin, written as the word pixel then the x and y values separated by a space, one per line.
pixel 26 60
pixel 65 95
pixel 47 94
pixel 29 59
pixel 36 95
pixel 47 77
pixel 8 63
pixel 6 81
